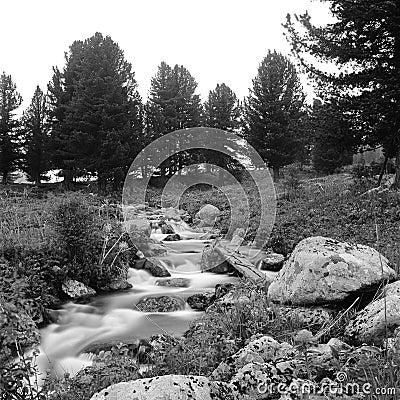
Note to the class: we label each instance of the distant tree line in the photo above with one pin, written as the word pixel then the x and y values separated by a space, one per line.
pixel 91 121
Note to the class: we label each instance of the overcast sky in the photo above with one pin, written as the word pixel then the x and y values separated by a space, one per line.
pixel 217 40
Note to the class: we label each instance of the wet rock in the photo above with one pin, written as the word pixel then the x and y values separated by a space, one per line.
pixel 370 324
pixel 153 266
pixel 207 215
pixel 272 262
pixel 214 261
pixel 160 304
pixel 322 270
pixel 167 387
pixel 77 290
pixel 172 238
pixel 174 282
pixel 200 301
pixel 167 229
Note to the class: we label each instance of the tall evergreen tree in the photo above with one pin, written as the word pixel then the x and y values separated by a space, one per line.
pixel 272 111
pixel 172 105
pixel 364 43
pixel 334 139
pixel 97 111
pixel 36 132
pixel 10 139
pixel 222 111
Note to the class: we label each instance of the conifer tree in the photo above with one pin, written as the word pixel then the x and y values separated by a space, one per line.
pixel 173 104
pixel 273 110
pixel 36 133
pixel 97 112
pixel 363 43
pixel 10 140
pixel 222 110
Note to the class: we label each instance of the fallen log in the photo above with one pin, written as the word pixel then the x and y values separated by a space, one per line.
pixel 220 259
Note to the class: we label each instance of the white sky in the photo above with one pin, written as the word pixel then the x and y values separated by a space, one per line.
pixel 217 40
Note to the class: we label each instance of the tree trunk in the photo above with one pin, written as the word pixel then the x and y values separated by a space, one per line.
pixel 396 184
pixel 67 183
pixel 383 169
pixel 276 173
pixel 101 183
pixel 37 180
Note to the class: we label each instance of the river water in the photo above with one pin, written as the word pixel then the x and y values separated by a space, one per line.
pixel 114 317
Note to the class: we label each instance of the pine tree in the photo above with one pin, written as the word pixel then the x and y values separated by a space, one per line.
pixel 222 111
pixel 96 112
pixel 273 110
pixel 36 134
pixel 173 105
pixel 10 139
pixel 364 44
pixel 334 140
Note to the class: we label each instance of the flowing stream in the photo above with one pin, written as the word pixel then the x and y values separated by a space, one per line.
pixel 114 317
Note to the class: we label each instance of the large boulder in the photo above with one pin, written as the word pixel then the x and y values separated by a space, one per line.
pixel 207 215
pixel 76 290
pixel 376 321
pixel 392 289
pixel 322 270
pixel 167 387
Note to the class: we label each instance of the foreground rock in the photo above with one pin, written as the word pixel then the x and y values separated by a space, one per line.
pixel 393 289
pixel 160 304
pixel 77 290
pixel 267 362
pixel 374 322
pixel 322 270
pixel 167 387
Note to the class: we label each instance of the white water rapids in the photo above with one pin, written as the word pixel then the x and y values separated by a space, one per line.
pixel 114 317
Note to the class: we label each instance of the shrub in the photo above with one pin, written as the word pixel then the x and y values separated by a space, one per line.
pixel 77 238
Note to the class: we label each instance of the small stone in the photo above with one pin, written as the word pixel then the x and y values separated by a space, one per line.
pixel 174 282
pixel 77 290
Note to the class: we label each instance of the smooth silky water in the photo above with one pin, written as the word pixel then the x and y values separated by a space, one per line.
pixel 114 317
